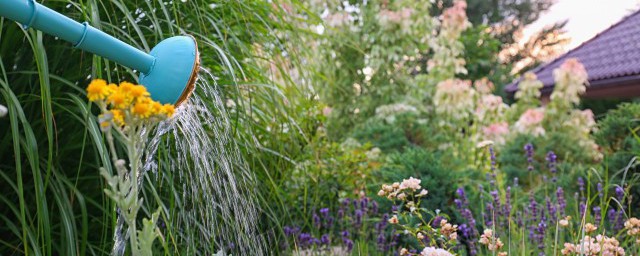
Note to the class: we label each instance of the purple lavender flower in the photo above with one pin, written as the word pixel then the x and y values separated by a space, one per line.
pixel 619 224
pixel 349 245
pixel 582 207
pixel 329 222
pixel 345 234
pixel 287 231
pixel 600 190
pixel 540 231
pixel 436 221
pixel 374 207
pixel 324 212
pixel 619 193
pixel 551 162
pixel 383 223
pixel 305 239
pixel 490 215
pixel 346 202
pixel 381 240
pixel 364 204
pixel 519 220
pixel 358 219
pixel 528 149
pixel 458 203
pixel 325 239
pixel 612 217
pixel 562 203
pixel 470 233
pixel 552 210
pixel 316 220
pixel 597 215
pixel 394 208
pixel 492 155
pixel 581 184
pixel 533 210
pixel 340 214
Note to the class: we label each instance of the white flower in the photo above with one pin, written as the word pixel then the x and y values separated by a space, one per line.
pixel 485 143
pixel 411 183
pixel 3 111
pixel 432 251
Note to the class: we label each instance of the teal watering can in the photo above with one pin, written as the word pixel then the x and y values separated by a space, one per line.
pixel 169 72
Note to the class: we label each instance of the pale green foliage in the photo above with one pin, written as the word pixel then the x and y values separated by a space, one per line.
pixel 148 234
pixel 367 57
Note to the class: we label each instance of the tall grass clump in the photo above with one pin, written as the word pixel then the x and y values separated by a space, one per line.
pixel 51 144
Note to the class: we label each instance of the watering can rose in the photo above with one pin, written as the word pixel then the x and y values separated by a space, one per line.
pixel 127 102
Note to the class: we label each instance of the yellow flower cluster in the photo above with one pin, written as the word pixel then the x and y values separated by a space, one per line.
pixel 127 102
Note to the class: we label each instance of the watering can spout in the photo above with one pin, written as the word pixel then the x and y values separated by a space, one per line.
pixel 169 72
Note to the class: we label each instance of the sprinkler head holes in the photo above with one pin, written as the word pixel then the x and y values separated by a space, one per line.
pixel 174 73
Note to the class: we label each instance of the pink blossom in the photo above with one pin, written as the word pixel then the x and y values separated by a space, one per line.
pixel 496 130
pixel 456 16
pixel 483 86
pixel 531 117
pixel 326 111
pixel 411 183
pixel 574 68
pixel 530 122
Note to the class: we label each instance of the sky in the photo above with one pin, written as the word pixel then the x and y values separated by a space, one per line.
pixel 586 17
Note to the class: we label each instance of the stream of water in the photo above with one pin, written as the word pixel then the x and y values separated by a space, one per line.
pixel 214 207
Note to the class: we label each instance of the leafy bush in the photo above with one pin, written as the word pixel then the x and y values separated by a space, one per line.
pixel 424 165
pixel 616 134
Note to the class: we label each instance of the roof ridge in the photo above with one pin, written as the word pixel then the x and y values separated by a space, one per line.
pixel 621 21
pixel 513 86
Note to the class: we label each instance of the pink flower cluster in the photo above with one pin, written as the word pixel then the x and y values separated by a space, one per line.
pixel 389 17
pixel 496 132
pixel 600 245
pixel 571 80
pixel 531 122
pixel 484 86
pixel 575 69
pixel 455 18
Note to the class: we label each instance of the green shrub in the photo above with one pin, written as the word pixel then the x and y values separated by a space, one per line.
pixel 424 165
pixel 615 135
pixel 513 161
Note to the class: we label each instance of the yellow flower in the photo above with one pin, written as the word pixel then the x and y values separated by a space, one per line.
pixel 168 110
pixel 142 109
pixel 97 90
pixel 126 87
pixel 156 108
pixel 112 88
pixel 138 91
pixel 118 99
pixel 118 117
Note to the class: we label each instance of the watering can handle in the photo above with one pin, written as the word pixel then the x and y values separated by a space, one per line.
pixel 83 36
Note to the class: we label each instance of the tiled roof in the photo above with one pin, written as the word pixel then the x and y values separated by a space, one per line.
pixel 612 54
